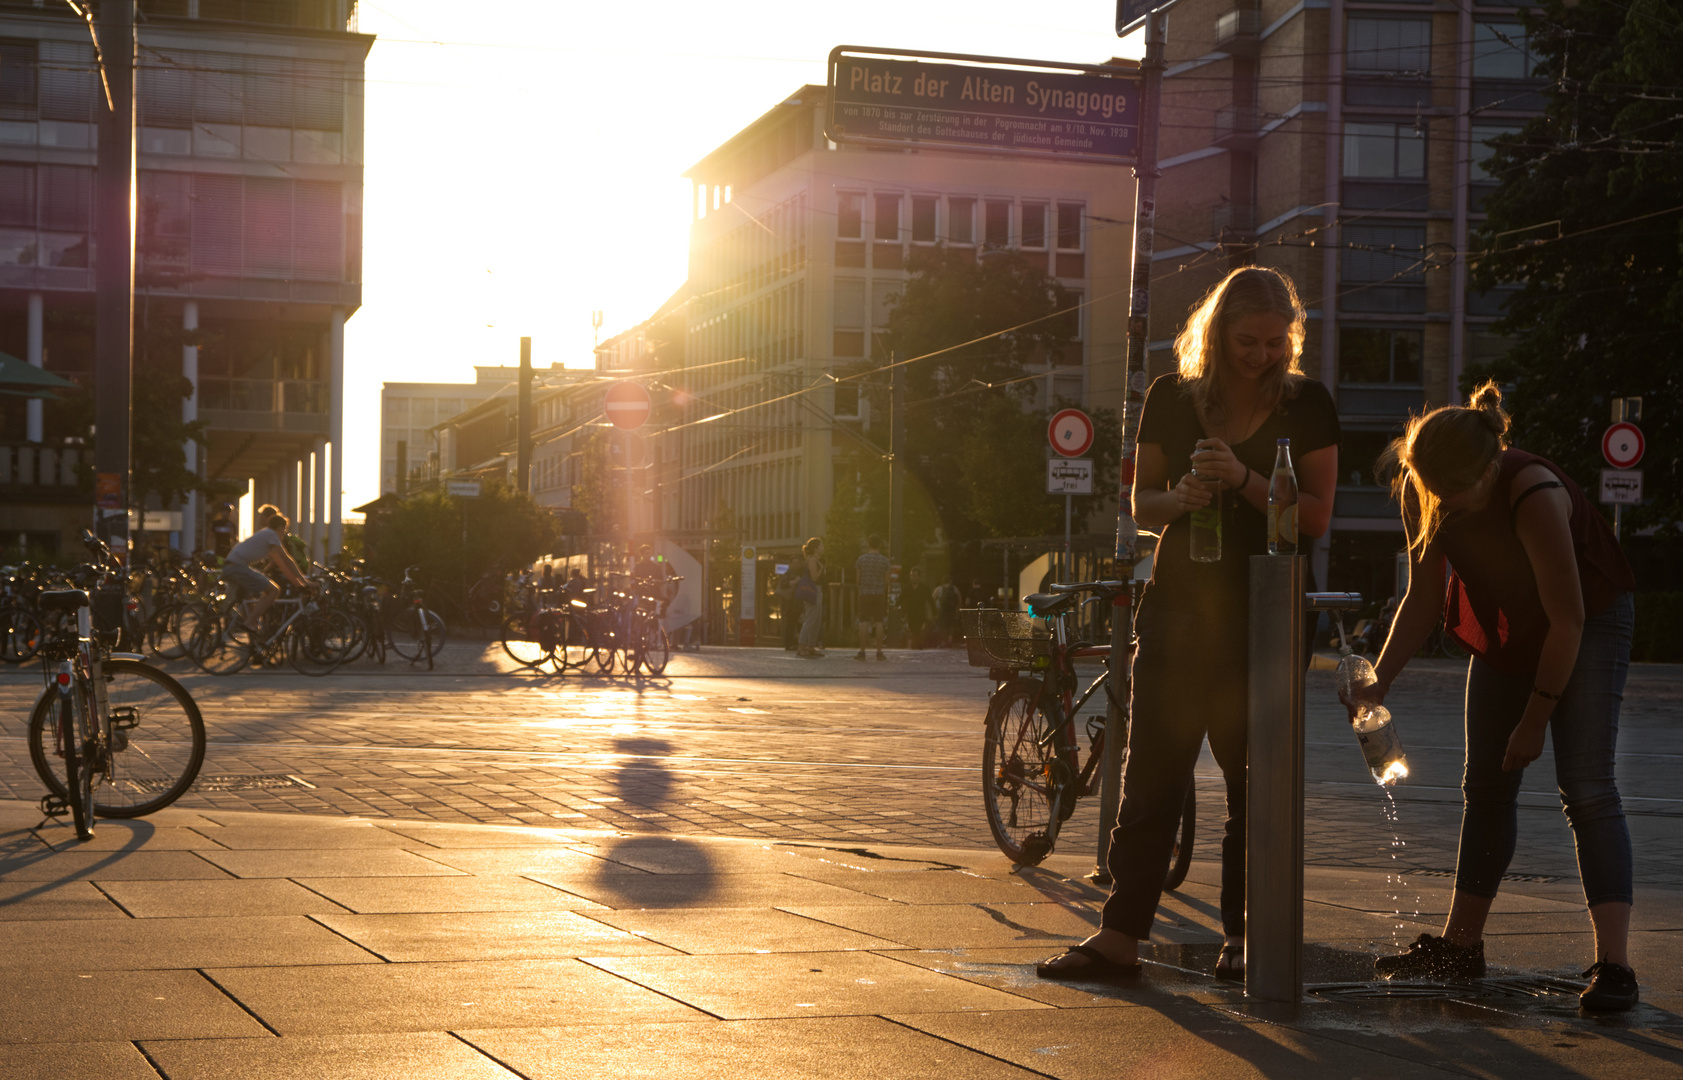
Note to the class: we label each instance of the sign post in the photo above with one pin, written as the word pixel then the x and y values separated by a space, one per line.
pixel 627 405
pixel 747 590
pixel 1071 434
pixel 1622 445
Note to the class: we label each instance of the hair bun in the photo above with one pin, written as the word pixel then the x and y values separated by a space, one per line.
pixel 1487 400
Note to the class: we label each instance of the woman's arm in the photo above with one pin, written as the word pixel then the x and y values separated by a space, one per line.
pixel 1543 524
pixel 1317 484
pixel 1417 616
pixel 1155 503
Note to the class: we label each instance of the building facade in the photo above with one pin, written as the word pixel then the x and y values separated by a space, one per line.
pixel 410 415
pixel 248 244
pixel 1343 142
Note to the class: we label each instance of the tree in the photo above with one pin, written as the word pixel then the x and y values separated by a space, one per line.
pixel 974 445
pixel 454 541
pixel 1587 221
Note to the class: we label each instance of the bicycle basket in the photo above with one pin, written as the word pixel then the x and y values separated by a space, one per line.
pixel 1004 639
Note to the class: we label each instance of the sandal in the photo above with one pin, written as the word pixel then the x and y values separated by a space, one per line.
pixel 1098 968
pixel 1230 966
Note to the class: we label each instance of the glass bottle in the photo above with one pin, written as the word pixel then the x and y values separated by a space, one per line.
pixel 1375 731
pixel 1206 524
pixel 1282 503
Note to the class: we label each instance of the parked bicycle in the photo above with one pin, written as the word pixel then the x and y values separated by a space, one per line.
pixel 1032 768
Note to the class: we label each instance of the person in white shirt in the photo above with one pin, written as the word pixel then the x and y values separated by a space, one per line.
pixel 268 543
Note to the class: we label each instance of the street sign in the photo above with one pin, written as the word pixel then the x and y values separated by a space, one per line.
pixel 462 489
pixel 1621 487
pixel 627 405
pixel 1071 432
pixel 1622 445
pixel 1130 14
pixel 901 97
pixel 1069 476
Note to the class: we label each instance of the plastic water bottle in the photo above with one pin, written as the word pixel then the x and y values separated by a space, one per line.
pixel 1381 744
pixel 1206 525
pixel 1282 503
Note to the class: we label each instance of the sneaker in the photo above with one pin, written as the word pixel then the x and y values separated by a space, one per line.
pixel 1433 958
pixel 860 655
pixel 1612 987
pixel 880 655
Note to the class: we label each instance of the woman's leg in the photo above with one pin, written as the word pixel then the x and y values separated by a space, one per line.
pixel 1490 808
pixel 1230 744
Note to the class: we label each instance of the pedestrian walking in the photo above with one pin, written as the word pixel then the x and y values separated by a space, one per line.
pixel 810 592
pixel 872 568
pixel 946 600
pixel 914 605
pixel 1540 593
pixel 1239 388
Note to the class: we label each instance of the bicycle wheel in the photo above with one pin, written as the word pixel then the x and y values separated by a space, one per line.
pixel 76 789
pixel 576 648
pixel 520 644
pixel 415 639
pixel 159 637
pixel 655 649
pixel 157 742
pixel 319 642
pixel 1020 786
pixel 1181 862
pixel 20 635
pixel 219 645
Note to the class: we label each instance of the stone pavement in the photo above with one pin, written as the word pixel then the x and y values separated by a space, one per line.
pixel 201 944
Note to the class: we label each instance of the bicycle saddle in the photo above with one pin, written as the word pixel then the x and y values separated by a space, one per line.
pixel 1043 604
pixel 63 599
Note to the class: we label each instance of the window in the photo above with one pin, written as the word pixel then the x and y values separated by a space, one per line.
pixel 923 219
pixel 1034 224
pixel 998 225
pixel 849 317
pixel 888 217
pixel 1500 51
pixel 66 194
pixel 850 218
pixel 1384 253
pixel 1358 456
pixel 17 74
pixel 1482 151
pixel 1070 216
pixel 1384 151
pixel 1369 354
pixel 961 221
pixel 1392 46
pixel 17 196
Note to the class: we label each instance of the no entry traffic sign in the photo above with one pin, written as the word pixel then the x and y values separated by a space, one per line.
pixel 627 405
pixel 1622 445
pixel 1071 432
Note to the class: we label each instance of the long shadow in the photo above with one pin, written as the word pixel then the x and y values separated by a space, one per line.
pixel 27 847
pixel 653 871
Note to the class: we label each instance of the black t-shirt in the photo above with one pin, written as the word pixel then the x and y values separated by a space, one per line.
pixel 1221 590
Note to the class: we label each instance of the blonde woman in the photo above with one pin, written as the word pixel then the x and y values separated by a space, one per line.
pixel 1240 388
pixel 1540 595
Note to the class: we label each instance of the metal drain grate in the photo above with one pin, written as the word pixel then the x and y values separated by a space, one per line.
pixel 251 782
pixel 1502 988
pixel 1532 879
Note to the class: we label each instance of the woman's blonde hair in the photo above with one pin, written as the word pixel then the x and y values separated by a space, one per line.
pixel 1249 290
pixel 1445 452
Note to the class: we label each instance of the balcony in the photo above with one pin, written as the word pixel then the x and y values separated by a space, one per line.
pixel 1389 401
pixel 1239 32
pixel 1364 502
pixel 38 472
pixel 1235 127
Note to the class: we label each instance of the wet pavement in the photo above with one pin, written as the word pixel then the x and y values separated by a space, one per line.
pixel 759 863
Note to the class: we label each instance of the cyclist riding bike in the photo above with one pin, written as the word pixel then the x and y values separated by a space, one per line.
pixel 252 588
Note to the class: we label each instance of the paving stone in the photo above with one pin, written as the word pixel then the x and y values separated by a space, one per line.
pixel 21 901
pixel 740 930
pixel 325 836
pixel 421 1055
pixel 375 998
pixel 488 935
pixel 961 926
pixel 106 945
pixel 806 984
pixel 80 1007
pixel 479 892
pixel 526 861
pixel 55 1061
pixel 113 834
pixel 304 862
pixel 635 890
pixel 108 866
pixel 936 886
pixel 225 898
pixel 820 1048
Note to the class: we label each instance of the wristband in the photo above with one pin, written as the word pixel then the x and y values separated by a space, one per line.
pixel 1544 694
pixel 1246 481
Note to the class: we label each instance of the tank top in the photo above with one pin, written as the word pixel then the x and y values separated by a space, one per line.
pixel 1492 606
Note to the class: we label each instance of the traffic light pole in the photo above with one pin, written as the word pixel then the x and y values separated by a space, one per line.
pixel 1120 684
pixel 114 274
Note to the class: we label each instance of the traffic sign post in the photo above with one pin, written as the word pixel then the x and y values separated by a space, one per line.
pixel 1622 445
pixel 1070 433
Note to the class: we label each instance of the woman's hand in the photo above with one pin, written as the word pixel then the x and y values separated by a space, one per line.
pixel 1525 745
pixel 1371 696
pixel 1215 460
pixel 1191 494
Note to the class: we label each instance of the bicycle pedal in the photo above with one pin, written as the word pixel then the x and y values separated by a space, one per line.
pixel 52 806
pixel 1036 848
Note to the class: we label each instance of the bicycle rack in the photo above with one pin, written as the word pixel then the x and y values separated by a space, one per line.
pixel 1274 825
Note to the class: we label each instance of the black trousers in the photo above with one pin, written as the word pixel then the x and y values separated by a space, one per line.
pixel 1190 682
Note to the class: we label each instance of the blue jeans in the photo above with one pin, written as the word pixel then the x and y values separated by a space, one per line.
pixel 1584 730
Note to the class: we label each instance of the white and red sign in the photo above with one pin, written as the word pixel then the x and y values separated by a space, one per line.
pixel 1622 445
pixel 1071 432
pixel 627 405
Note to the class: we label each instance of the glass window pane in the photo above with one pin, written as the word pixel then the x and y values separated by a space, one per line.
pixel 1391 45
pixel 1070 216
pixel 849 304
pixel 1481 148
pixel 998 232
pixel 1406 349
pixel 1411 152
pixel 1370 150
pixel 961 221
pixel 17 196
pixel 17 74
pixel 888 217
pixel 1362 355
pixel 1499 51
pixel 1034 225
pixel 923 219
pixel 850 215
pixel 1384 253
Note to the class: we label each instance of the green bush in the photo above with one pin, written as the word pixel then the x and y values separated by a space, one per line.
pixel 455 540
pixel 1659 627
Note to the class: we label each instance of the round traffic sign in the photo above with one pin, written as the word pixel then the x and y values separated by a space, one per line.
pixel 627 405
pixel 1622 445
pixel 1071 432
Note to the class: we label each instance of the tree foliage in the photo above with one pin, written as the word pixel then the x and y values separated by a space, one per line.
pixel 1587 218
pixel 455 540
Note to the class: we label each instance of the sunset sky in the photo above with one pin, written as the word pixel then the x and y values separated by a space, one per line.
pixel 524 161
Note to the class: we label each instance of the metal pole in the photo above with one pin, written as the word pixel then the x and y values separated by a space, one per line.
pixel 896 461
pixel 114 273
pixel 1068 562
pixel 523 422
pixel 1274 801
pixel 1127 533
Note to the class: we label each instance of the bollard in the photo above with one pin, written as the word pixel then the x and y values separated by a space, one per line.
pixel 1274 799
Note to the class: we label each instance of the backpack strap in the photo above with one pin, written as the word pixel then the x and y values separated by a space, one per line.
pixel 1513 509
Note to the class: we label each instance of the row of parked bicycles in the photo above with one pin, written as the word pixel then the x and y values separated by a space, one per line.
pixel 614 628
pixel 176 607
